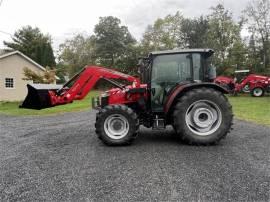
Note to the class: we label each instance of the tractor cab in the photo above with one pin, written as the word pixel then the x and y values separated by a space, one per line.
pixel 164 70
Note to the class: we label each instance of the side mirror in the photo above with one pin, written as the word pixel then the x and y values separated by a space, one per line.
pixel 142 63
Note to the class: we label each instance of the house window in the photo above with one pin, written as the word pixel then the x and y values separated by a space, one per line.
pixel 9 83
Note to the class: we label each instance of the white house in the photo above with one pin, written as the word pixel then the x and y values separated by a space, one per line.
pixel 12 85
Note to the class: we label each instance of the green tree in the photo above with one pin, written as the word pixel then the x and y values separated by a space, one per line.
pixel 163 34
pixel 258 20
pixel 194 32
pixel 112 41
pixel 127 63
pixel 238 56
pixel 31 42
pixel 76 53
pixel 223 36
pixel 254 57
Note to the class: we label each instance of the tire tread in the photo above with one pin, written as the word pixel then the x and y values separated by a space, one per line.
pixel 178 109
pixel 99 124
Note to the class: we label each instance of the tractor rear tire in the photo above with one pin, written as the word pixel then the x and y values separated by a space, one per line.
pixel 257 92
pixel 117 125
pixel 202 116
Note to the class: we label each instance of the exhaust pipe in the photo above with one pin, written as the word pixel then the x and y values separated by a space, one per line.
pixel 38 96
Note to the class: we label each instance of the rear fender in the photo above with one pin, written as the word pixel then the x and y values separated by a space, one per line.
pixel 179 90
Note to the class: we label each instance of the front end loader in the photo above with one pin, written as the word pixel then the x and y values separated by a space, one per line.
pixel 38 96
pixel 175 88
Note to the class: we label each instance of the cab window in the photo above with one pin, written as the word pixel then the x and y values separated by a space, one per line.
pixel 171 68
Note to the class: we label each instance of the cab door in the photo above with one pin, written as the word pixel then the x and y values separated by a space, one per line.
pixel 167 71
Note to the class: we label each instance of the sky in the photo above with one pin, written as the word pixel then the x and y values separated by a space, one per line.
pixel 62 19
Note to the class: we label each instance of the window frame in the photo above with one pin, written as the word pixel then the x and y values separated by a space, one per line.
pixel 201 67
pixel 13 82
pixel 189 56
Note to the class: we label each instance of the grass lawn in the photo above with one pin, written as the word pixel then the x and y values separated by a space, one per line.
pixel 245 107
pixel 12 108
pixel 255 109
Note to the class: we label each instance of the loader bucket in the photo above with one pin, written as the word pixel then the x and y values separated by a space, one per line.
pixel 38 96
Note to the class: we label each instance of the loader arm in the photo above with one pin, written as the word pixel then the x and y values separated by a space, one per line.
pixel 75 89
pixel 241 85
pixel 85 80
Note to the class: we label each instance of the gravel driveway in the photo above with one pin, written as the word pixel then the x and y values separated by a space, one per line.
pixel 59 158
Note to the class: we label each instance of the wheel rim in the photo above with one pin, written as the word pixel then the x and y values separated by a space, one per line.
pixel 246 89
pixel 203 117
pixel 257 92
pixel 116 126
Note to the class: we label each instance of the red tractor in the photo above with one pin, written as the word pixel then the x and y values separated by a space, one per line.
pixel 175 89
pixel 257 85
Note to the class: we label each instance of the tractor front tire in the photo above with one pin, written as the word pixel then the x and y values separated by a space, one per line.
pixel 202 116
pixel 117 125
pixel 246 89
pixel 257 92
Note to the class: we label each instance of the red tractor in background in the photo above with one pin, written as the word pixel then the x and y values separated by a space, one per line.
pixel 257 85
pixel 176 88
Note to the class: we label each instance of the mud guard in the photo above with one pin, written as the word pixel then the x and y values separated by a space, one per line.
pixel 180 89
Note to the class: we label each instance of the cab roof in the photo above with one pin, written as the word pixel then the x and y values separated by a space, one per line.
pixel 207 50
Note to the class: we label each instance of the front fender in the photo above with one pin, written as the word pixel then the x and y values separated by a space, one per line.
pixel 258 84
pixel 180 89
